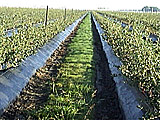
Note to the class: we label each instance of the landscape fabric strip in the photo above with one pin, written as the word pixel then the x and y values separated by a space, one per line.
pixel 126 94
pixel 14 80
pixel 107 105
pixel 71 98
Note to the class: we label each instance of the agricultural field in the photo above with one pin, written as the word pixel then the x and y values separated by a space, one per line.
pixel 140 57
pixel 23 32
pixel 76 82
pixel 148 20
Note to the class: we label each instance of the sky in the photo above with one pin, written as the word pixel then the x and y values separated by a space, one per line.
pixel 82 4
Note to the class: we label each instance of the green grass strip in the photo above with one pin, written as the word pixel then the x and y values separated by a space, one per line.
pixel 72 97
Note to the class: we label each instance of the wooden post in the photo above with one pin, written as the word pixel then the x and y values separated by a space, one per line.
pixel 65 12
pixel 46 16
pixel 72 12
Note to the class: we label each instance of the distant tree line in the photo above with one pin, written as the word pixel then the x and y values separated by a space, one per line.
pixel 150 9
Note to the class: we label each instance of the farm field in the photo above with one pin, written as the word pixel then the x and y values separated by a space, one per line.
pixel 23 31
pixel 140 57
pixel 76 82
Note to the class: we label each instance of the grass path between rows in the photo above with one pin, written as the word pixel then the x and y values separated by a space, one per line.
pixel 73 88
